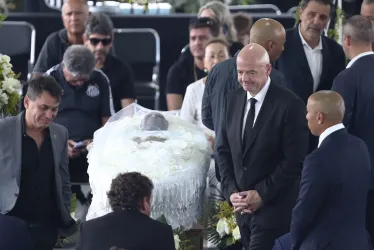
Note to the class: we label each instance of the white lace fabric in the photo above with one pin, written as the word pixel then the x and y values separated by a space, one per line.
pixel 176 160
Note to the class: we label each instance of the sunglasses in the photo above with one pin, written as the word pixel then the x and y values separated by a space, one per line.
pixel 104 42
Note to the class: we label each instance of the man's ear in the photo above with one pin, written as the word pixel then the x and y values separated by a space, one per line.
pixel 26 101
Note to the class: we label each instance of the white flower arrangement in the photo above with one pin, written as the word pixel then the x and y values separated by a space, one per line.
pixel 220 224
pixel 10 87
pixel 177 241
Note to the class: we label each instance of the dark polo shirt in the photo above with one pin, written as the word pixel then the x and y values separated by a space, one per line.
pixel 36 201
pixel 82 108
pixel 121 79
pixel 52 51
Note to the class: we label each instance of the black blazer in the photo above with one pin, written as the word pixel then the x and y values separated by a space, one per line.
pixel 355 85
pixel 294 64
pixel 330 210
pixel 128 230
pixel 271 163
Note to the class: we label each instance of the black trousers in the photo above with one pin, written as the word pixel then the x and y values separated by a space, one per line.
pixel 370 215
pixel 43 237
pixel 254 237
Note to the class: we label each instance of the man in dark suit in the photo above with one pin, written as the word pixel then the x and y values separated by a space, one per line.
pixel 34 179
pixel 310 60
pixel 129 225
pixel 355 84
pixel 334 183
pixel 223 78
pixel 262 143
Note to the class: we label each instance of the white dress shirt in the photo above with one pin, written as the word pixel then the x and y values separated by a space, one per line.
pixel 191 107
pixel 314 57
pixel 329 131
pixel 358 57
pixel 260 100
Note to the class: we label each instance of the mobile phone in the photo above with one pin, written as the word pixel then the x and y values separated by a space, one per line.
pixel 79 145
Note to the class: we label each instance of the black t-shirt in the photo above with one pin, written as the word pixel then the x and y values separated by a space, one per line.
pixel 82 108
pixel 181 74
pixel 121 78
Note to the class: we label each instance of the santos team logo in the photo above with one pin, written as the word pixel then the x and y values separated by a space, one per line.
pixel 93 90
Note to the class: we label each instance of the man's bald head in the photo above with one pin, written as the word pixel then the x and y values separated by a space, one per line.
pixel 74 2
pixel 255 53
pixel 325 109
pixel 270 34
pixel 329 103
pixel 253 66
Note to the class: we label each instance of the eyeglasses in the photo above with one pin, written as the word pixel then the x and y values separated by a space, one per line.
pixel 104 42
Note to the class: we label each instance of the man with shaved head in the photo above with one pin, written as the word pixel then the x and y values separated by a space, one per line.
pixel 223 77
pixel 355 84
pixel 74 15
pixel 271 35
pixel 330 211
pixel 262 142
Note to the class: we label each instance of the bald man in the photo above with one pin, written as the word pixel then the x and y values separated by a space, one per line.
pixel 74 15
pixel 223 77
pixel 262 143
pixel 330 210
pixel 271 35
pixel 355 84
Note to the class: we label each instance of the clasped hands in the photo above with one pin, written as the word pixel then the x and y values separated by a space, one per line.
pixel 246 202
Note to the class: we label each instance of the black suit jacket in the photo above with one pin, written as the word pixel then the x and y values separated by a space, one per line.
pixel 127 230
pixel 330 210
pixel 222 79
pixel 294 64
pixel 355 85
pixel 272 160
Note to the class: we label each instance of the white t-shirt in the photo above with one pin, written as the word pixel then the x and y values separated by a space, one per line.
pixel 191 107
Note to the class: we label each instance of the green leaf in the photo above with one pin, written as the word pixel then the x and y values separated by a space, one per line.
pixel 73 203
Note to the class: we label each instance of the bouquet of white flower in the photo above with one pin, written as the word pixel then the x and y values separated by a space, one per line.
pixel 219 224
pixel 10 87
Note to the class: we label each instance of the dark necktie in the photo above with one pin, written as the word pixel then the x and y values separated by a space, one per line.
pixel 250 120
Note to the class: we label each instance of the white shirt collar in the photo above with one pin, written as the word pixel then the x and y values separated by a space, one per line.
pixel 329 131
pixel 358 57
pixel 260 95
pixel 319 46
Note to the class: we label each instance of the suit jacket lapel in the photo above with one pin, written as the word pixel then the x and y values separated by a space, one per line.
pixel 17 147
pixel 239 116
pixel 262 117
pixel 300 52
pixel 326 62
pixel 53 136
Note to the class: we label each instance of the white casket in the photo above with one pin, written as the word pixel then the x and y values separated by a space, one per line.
pixel 176 160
